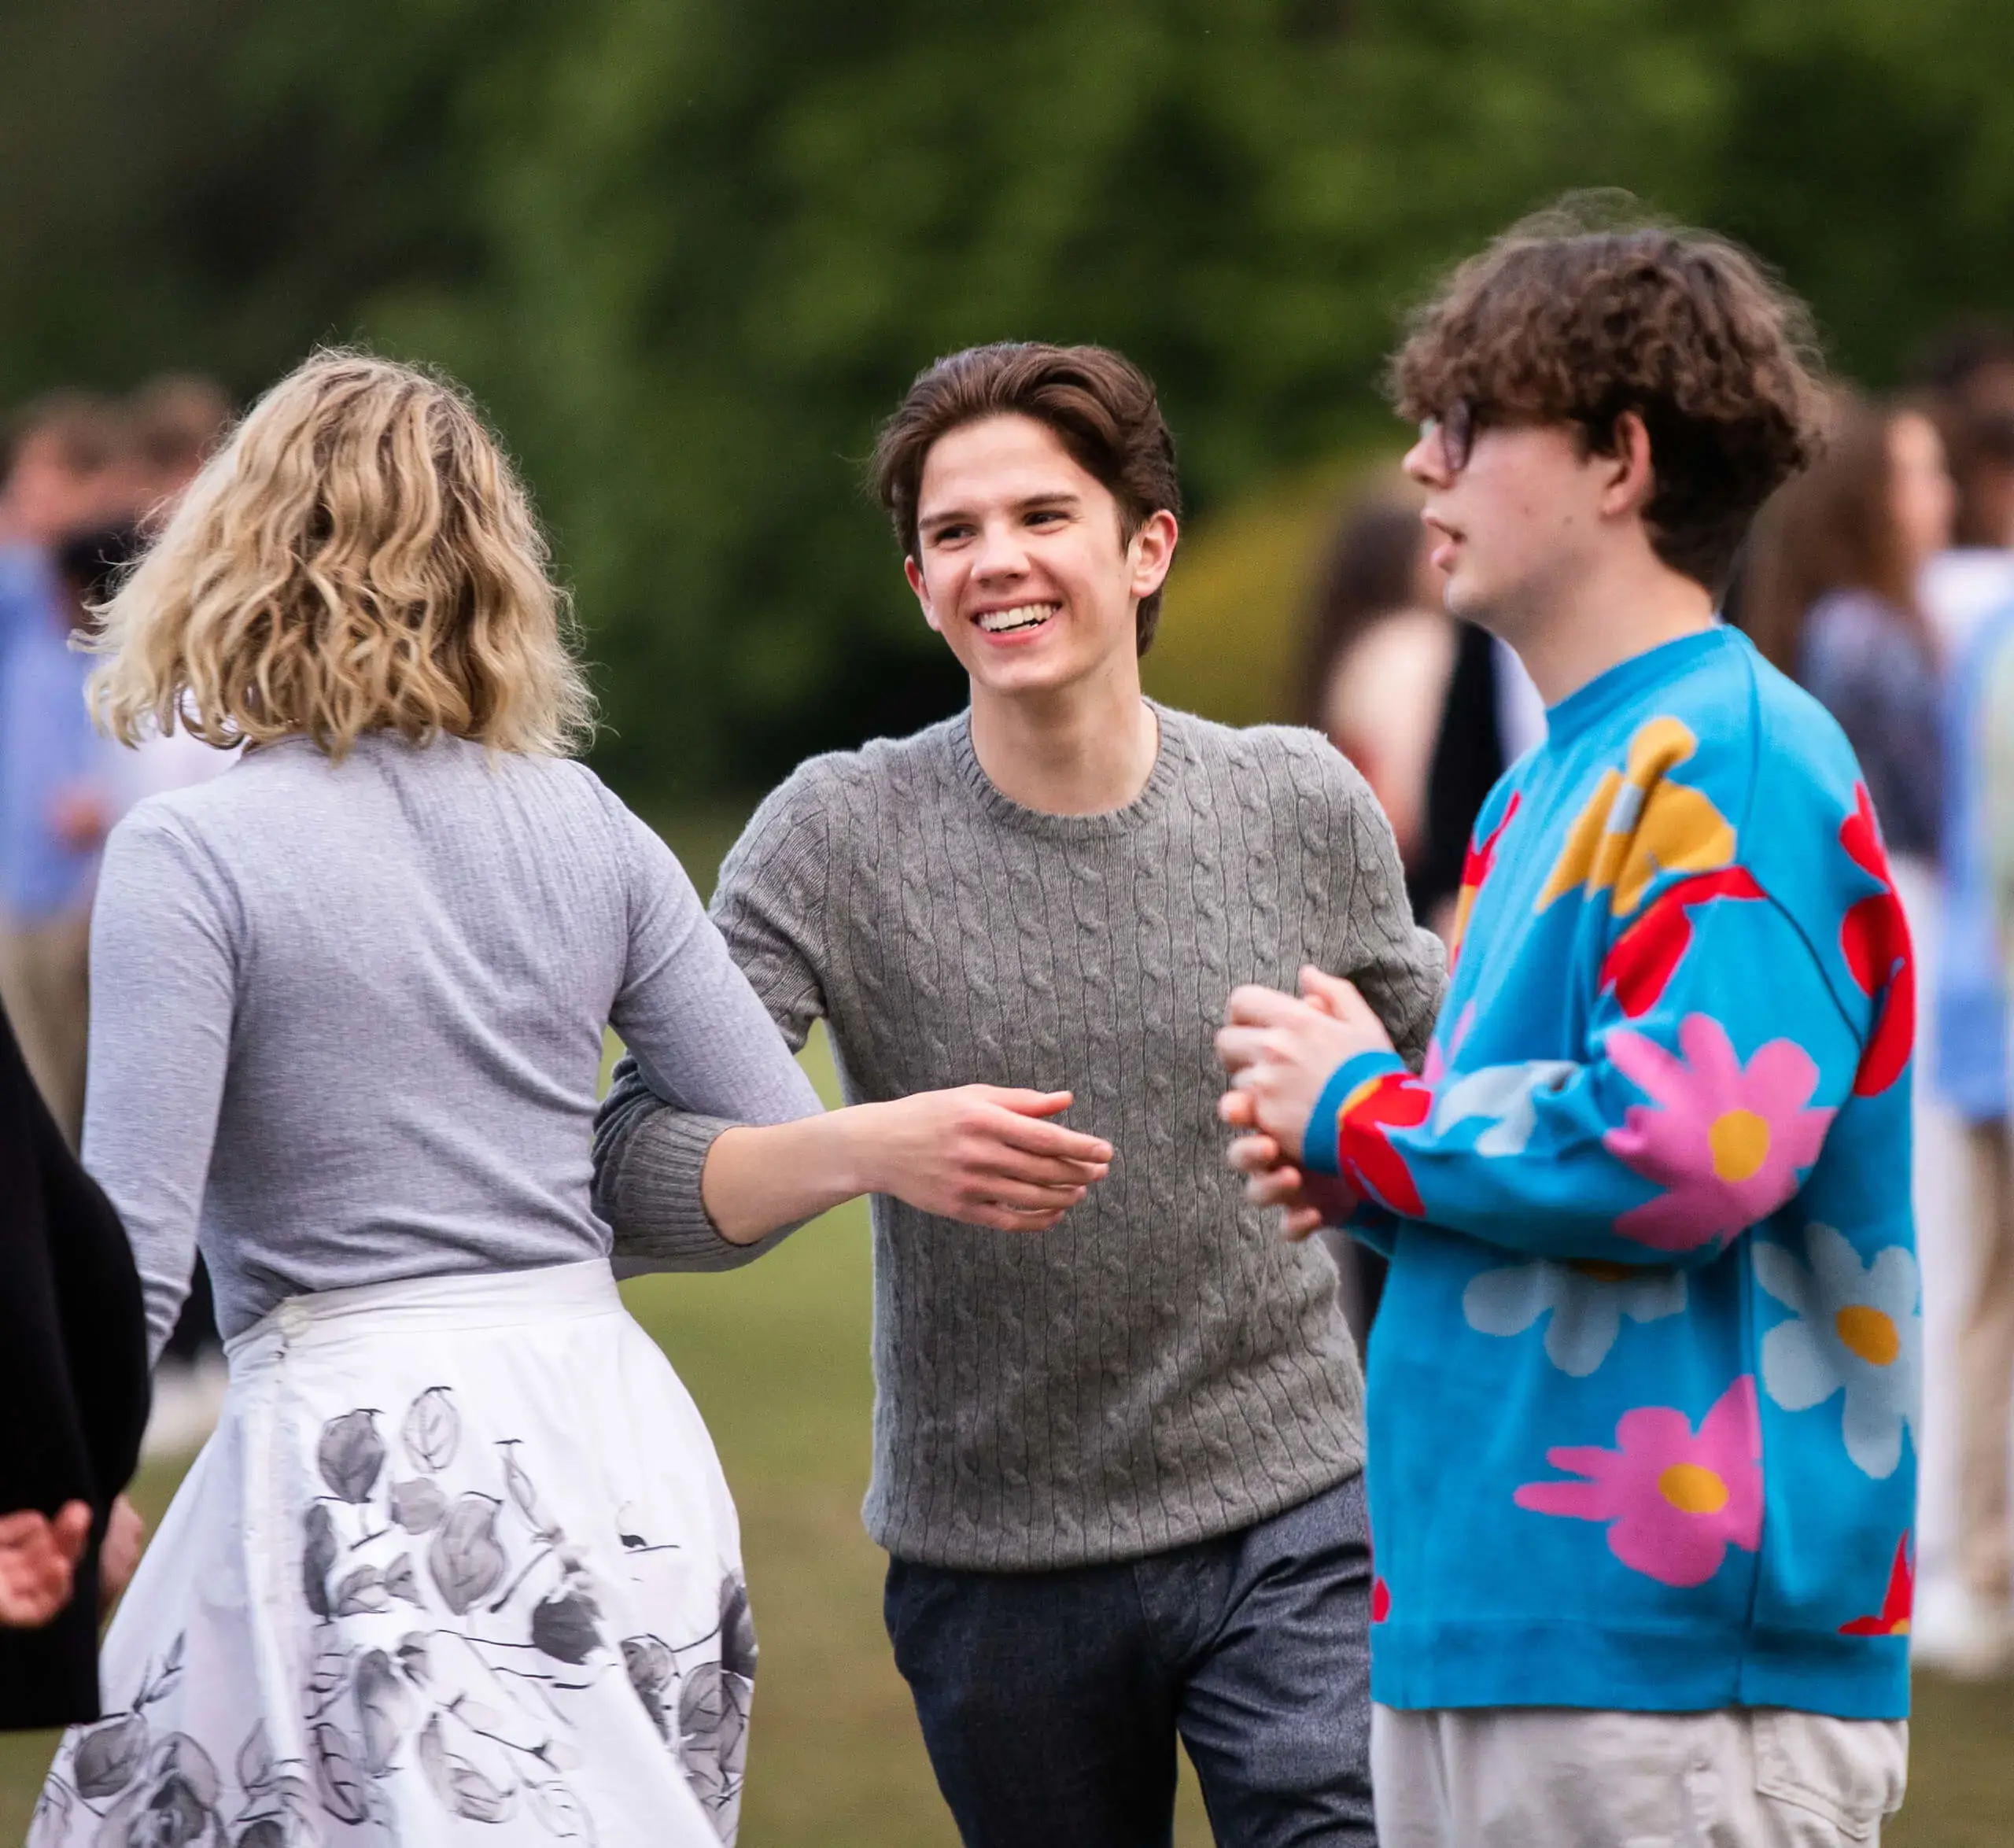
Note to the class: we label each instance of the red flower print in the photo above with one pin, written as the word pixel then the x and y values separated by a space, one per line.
pixel 1875 939
pixel 1893 1619
pixel 1380 1599
pixel 1364 1155
pixel 1477 864
pixel 1643 960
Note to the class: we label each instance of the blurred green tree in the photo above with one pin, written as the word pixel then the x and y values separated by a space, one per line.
pixel 688 251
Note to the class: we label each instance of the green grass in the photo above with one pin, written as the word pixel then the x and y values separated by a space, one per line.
pixel 776 1357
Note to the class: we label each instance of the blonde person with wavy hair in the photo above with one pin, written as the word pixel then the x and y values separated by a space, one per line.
pixel 460 1549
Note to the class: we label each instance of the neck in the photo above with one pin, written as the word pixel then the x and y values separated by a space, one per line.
pixel 1604 618
pixel 1080 750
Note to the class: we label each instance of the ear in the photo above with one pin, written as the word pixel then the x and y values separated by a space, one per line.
pixel 913 572
pixel 1630 478
pixel 1152 552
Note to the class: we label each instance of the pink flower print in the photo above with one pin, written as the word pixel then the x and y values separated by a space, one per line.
pixel 1728 1141
pixel 1436 1067
pixel 1677 1498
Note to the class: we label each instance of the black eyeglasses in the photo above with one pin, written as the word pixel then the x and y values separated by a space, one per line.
pixel 1455 428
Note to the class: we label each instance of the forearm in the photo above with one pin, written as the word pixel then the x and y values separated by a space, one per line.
pixel 757 1179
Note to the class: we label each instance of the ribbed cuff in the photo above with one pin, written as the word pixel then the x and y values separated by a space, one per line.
pixel 1320 1143
pixel 648 1190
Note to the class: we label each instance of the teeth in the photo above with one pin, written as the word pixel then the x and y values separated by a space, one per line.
pixel 1021 616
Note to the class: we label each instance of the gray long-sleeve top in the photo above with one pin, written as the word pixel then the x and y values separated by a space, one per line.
pixel 1160 1367
pixel 347 1018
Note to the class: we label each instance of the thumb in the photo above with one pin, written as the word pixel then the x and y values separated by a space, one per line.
pixel 71 1528
pixel 1033 1103
pixel 1332 993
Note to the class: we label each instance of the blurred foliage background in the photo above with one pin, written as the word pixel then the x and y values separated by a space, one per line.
pixel 688 251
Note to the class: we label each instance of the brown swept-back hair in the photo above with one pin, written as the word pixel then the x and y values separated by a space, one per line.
pixel 1834 528
pixel 1577 314
pixel 359 556
pixel 1102 408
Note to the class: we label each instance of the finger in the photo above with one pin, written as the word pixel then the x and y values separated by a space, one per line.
pixel 1279 1186
pixel 1337 995
pixel 20 1529
pixel 1239 1109
pixel 1027 1103
pixel 73 1529
pixel 1252 1005
pixel 1031 1200
pixel 1253 1155
pixel 1300 1221
pixel 1238 1047
pixel 1018 1130
pixel 1035 1171
pixel 1000 1218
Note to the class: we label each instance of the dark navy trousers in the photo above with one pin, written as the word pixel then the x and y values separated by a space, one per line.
pixel 1051 1701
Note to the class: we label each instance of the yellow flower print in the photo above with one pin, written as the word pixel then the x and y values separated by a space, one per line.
pixel 1639 824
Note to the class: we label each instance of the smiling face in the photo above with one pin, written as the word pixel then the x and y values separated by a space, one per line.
pixel 1021 563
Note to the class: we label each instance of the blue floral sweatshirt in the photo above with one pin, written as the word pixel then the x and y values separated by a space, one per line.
pixel 1643 1384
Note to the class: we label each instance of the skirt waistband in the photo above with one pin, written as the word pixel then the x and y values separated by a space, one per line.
pixel 412 1306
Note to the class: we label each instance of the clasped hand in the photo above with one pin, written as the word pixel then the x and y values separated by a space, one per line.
pixel 1280 1051
pixel 38 1559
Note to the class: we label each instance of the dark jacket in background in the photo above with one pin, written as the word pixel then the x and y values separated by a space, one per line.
pixel 73 1380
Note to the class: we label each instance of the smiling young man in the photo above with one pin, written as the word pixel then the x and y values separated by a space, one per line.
pixel 1643 1387
pixel 1117 1463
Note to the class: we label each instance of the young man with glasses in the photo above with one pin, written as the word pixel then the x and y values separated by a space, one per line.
pixel 1643 1395
pixel 1116 1462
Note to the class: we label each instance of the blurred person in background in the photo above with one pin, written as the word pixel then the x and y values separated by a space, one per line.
pixel 1490 716
pixel 73 1377
pixel 1375 662
pixel 1967 377
pixel 1834 596
pixel 1965 1622
pixel 67 474
pixel 1377 657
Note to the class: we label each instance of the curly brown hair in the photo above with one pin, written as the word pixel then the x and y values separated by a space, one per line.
pixel 1102 408
pixel 1576 314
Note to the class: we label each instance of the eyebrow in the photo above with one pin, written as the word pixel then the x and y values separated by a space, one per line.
pixel 1063 497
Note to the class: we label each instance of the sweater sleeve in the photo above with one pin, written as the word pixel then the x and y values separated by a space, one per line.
pixel 1400 968
pixel 1699 1100
pixel 653 1131
pixel 163 994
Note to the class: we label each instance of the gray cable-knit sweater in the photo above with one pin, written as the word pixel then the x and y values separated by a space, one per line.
pixel 1161 1367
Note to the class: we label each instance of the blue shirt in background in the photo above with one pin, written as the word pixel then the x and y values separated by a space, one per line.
pixel 47 742
pixel 1971 1001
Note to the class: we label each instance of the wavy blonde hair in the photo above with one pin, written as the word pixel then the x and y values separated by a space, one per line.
pixel 359 556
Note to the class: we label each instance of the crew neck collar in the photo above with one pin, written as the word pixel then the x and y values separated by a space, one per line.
pixel 1169 756
pixel 1628 680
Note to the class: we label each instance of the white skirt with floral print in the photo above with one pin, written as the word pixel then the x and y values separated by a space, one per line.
pixel 458 1566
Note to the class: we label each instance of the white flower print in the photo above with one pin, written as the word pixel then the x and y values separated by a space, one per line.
pixel 1507 1095
pixel 1856 1327
pixel 1587 1302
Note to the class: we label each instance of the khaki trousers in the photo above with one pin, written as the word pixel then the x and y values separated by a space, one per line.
pixel 45 986
pixel 1986 1373
pixel 1559 1777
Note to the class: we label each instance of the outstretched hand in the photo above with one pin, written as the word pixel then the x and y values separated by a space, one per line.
pixel 38 1563
pixel 985 1155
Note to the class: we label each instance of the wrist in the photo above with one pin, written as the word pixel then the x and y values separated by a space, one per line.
pixel 1319 1141
pixel 858 1161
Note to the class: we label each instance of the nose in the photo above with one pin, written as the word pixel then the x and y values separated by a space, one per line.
pixel 1426 462
pixel 1001 553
